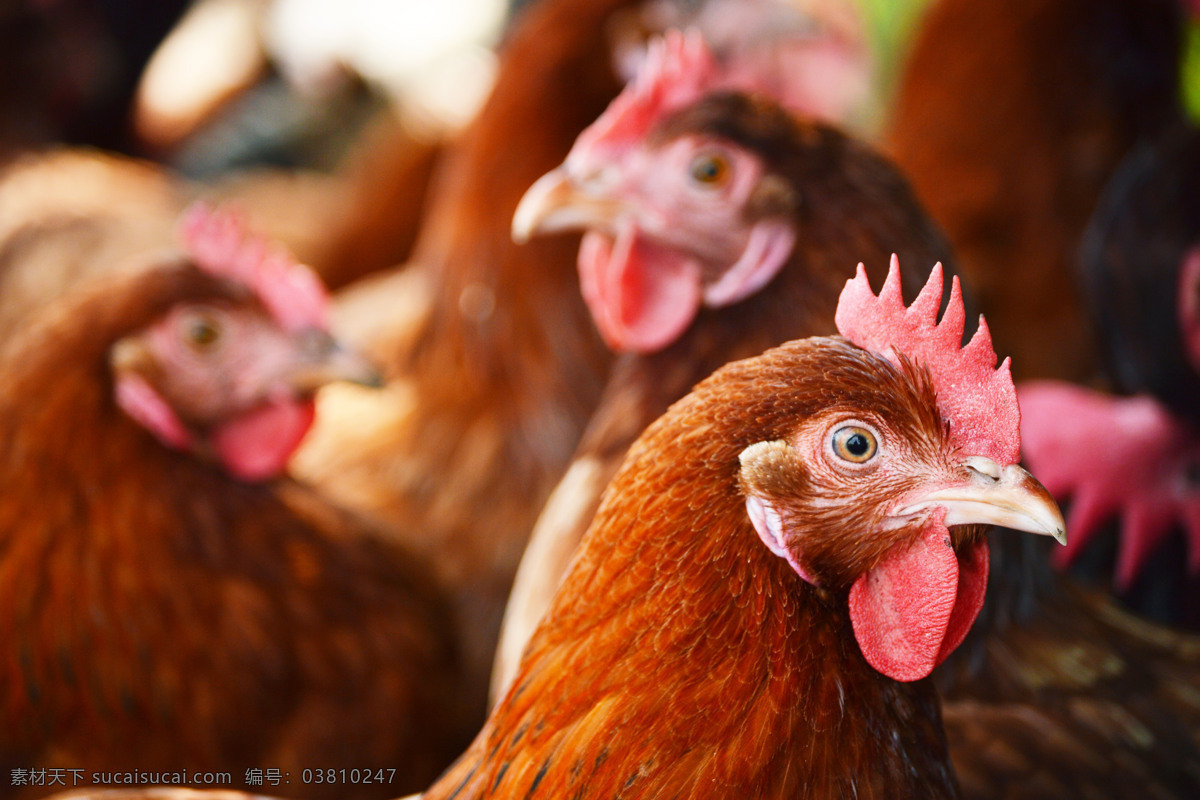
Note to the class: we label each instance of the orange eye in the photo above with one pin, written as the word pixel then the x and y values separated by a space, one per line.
pixel 710 169
pixel 202 331
pixel 855 444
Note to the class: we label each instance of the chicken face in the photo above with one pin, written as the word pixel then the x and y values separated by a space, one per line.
pixel 913 560
pixel 679 214
pixel 881 489
pixel 233 378
pixel 228 381
pixel 670 229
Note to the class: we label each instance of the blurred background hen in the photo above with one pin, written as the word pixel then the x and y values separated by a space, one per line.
pixel 388 145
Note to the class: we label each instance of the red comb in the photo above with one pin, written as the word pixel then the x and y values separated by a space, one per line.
pixel 679 69
pixel 978 399
pixel 218 241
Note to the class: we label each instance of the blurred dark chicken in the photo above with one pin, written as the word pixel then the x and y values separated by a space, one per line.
pixel 1135 457
pixel 168 603
pixel 1142 243
pixel 780 561
pixel 717 226
pixel 1010 117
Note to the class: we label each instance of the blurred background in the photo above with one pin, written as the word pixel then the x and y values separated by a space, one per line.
pixel 210 85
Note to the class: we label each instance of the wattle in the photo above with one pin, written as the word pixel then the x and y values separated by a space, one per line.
pixel 258 444
pixel 642 296
pixel 916 606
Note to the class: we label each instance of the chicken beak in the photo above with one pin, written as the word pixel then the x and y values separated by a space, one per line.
pixel 993 495
pixel 556 202
pixel 323 360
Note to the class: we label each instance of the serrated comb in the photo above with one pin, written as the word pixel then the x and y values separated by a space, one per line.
pixel 975 397
pixel 678 70
pixel 219 243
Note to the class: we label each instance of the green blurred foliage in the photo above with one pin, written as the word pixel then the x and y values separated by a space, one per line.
pixel 890 25
pixel 1191 71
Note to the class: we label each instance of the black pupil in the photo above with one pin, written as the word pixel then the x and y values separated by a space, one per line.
pixel 857 445
pixel 203 332
pixel 708 170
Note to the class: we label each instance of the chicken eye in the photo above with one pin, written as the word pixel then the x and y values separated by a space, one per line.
pixel 202 331
pixel 855 444
pixel 709 169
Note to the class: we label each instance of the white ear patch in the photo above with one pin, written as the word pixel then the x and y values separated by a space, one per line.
pixel 770 245
pixel 765 518
pixel 766 521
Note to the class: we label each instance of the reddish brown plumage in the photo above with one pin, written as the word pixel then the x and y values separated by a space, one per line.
pixel 1021 671
pixel 162 615
pixel 682 658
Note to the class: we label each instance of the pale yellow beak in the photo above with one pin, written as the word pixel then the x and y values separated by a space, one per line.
pixel 323 360
pixel 556 203
pixel 993 495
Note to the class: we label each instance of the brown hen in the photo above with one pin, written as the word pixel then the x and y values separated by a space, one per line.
pixel 679 197
pixel 168 603
pixel 1115 693
pixel 779 562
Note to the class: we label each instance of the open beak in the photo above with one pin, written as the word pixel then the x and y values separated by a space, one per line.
pixel 556 202
pixel 993 495
pixel 324 360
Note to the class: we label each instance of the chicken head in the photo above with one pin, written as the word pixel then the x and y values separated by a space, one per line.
pixel 679 214
pixel 232 378
pixel 922 456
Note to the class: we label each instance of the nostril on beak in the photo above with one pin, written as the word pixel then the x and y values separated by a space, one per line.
pixel 984 466
pixel 317 343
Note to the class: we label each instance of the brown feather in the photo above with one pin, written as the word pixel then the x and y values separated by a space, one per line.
pixel 506 370
pixel 1010 117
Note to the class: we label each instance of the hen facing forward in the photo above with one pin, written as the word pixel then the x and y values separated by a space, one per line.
pixel 785 538
pixel 167 603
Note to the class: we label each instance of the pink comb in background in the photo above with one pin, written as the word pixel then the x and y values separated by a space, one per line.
pixel 679 69
pixel 220 244
pixel 979 400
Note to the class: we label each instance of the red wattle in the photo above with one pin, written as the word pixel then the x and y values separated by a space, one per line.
pixel 642 296
pixel 915 607
pixel 257 445
pixel 972 588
